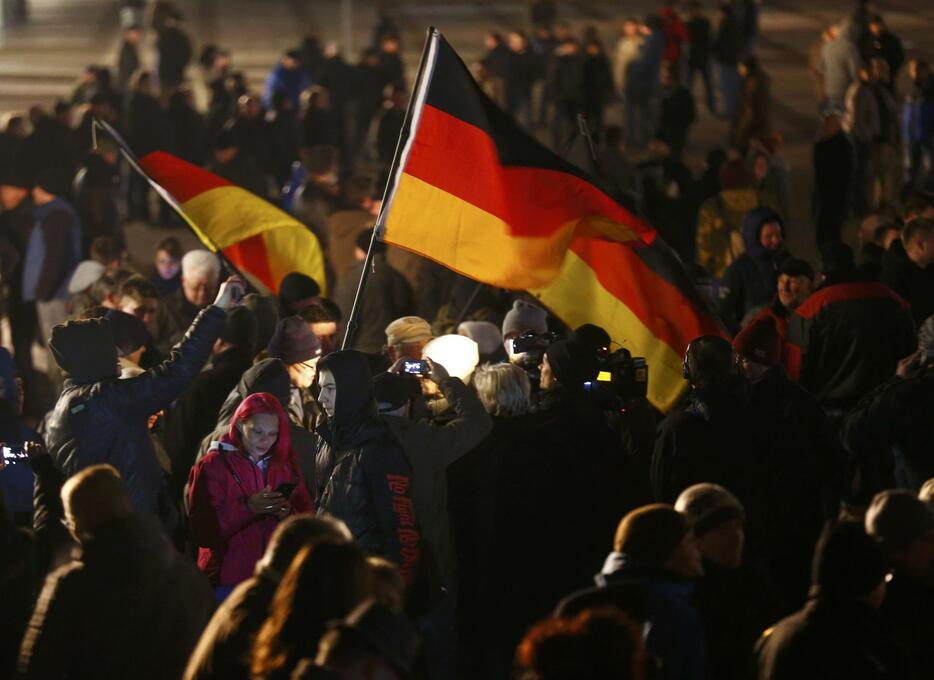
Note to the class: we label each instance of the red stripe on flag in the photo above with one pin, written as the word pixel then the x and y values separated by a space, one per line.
pixel 249 255
pixel 462 160
pixel 664 310
pixel 180 178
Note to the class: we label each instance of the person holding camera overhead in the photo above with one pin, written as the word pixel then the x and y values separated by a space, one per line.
pixel 248 482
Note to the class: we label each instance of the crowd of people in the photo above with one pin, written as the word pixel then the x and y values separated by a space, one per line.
pixel 198 481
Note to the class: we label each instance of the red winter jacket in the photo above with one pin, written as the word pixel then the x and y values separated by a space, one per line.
pixel 230 538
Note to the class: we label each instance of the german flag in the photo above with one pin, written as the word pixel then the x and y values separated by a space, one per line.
pixel 510 207
pixel 260 240
pixel 472 191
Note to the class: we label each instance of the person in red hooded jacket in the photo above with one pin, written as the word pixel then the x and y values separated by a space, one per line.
pixel 247 483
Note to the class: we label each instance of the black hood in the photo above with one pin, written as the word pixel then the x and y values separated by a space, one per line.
pixel 355 403
pixel 85 350
pixel 268 375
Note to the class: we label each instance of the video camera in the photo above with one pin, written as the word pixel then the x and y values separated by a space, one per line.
pixel 620 376
pixel 529 348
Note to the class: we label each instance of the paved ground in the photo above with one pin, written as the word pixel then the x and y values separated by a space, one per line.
pixel 40 61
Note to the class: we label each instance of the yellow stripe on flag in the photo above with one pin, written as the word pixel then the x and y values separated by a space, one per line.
pixel 230 214
pixel 577 297
pixel 469 240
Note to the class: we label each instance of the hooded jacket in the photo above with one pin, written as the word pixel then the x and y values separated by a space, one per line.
pixel 129 607
pixel 231 538
pixel 268 375
pixel 100 419
pixel 363 475
pixel 751 280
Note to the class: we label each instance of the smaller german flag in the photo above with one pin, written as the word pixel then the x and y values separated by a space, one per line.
pixel 499 206
pixel 263 242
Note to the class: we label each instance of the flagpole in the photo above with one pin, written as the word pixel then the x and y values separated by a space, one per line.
pixel 130 157
pixel 368 265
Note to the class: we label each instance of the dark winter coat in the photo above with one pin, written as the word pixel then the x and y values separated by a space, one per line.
pixel 796 459
pixel 699 41
pixel 104 420
pixel 675 633
pixel 431 448
pixel 890 434
pixel 829 640
pixel 592 499
pixel 364 477
pixel 913 283
pixel 736 606
pixel 220 651
pixel 596 83
pixel 834 167
pixel 129 606
pixel 175 51
pixel 907 612
pixel 676 117
pixel 728 41
pixel 852 335
pixel 751 280
pixel 127 64
pixel 706 439
pixel 523 70
pixel 752 119
pixel 499 494
pixel 173 317
pixel 146 124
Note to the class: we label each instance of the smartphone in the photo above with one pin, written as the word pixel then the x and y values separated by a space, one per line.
pixel 416 367
pixel 13 455
pixel 286 489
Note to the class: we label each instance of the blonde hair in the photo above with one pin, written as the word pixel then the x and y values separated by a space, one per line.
pixel 504 389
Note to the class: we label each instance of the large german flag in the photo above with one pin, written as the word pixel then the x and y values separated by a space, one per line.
pixel 475 193
pixel 509 207
pixel 263 242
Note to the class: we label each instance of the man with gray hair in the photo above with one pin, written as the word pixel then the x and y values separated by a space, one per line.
pixel 201 272
pixel 129 605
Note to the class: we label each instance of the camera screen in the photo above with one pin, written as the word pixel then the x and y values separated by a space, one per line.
pixel 11 456
pixel 413 367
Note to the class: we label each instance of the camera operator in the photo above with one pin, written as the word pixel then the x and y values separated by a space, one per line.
pixel 586 449
pixel 620 392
